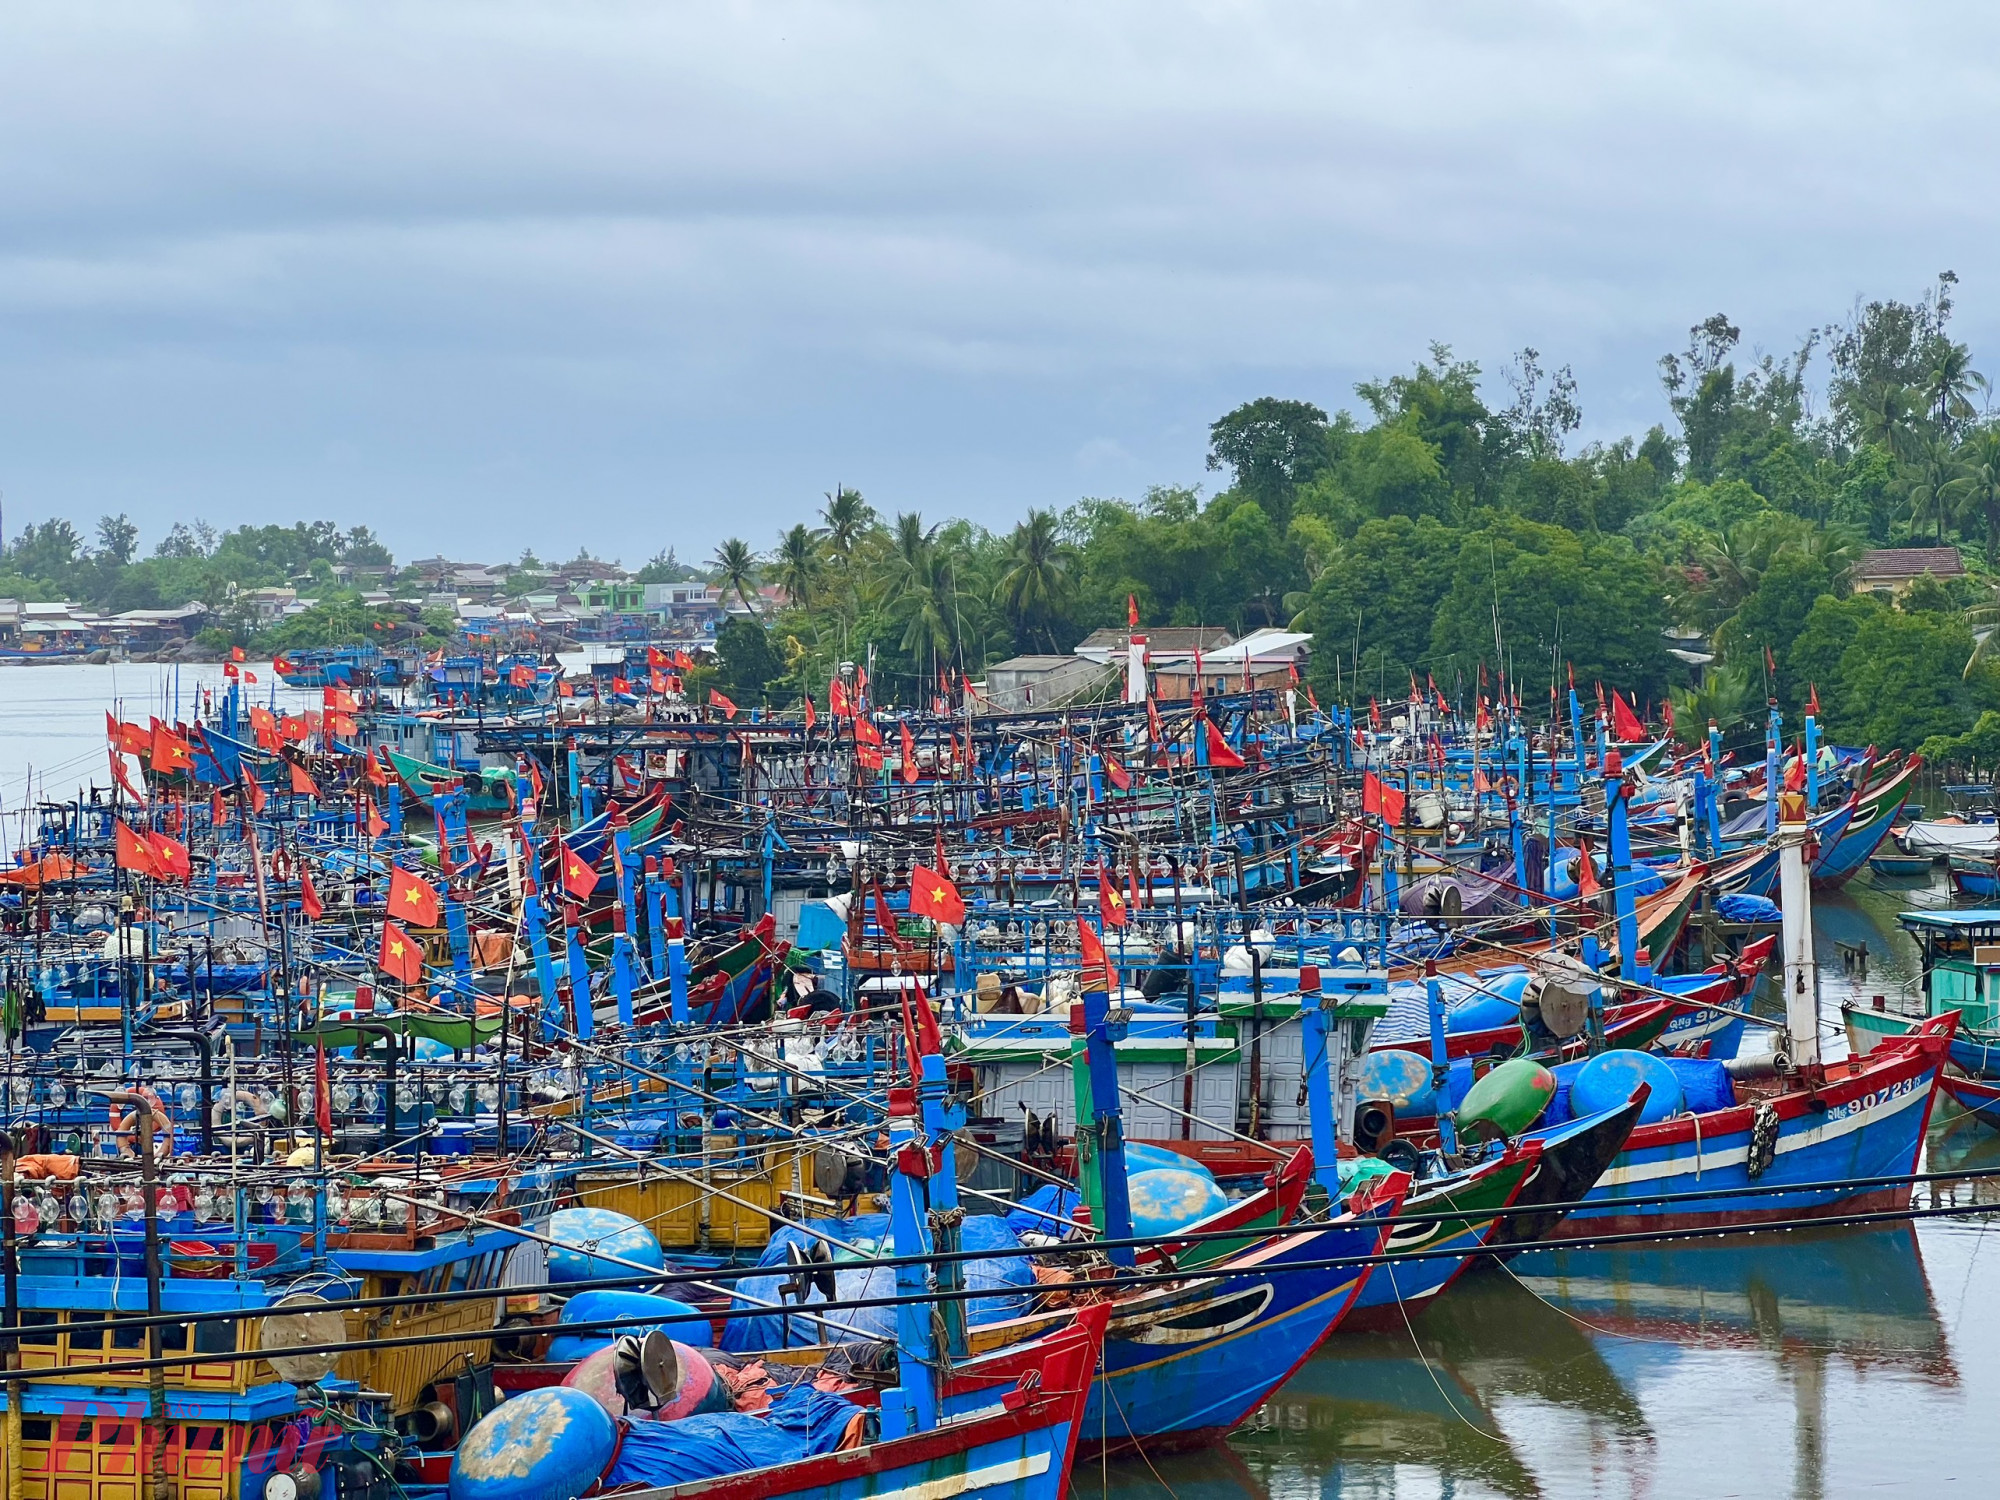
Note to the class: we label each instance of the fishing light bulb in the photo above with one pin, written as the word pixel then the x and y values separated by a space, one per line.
pixel 489 1096
pixel 58 1096
pixel 459 1096
pixel 336 1203
pixel 343 1097
pixel 187 1096
pixel 371 1098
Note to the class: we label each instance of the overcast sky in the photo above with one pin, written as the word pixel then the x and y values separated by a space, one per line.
pixel 501 274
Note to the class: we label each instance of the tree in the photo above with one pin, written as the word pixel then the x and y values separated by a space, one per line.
pixel 1525 594
pixel 1380 594
pixel 1272 446
pixel 1975 489
pixel 1901 680
pixel 747 664
pixel 117 538
pixel 735 568
pixel 797 564
pixel 1773 616
pixel 1036 587
pixel 847 517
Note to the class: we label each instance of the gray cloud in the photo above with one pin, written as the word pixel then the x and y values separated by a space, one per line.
pixel 636 274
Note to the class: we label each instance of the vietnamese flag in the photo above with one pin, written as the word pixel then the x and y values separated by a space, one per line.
pixel 866 733
pixel 302 783
pixel 372 769
pixel 135 853
pixel 909 756
pixel 656 679
pixel 1097 972
pixel 1111 908
pixel 1116 774
pixel 129 738
pixel 1374 714
pixel 578 878
pixel 412 898
pixel 170 857
pixel 717 700
pixel 933 895
pixel 1154 733
pixel 340 700
pixel 1587 885
pixel 171 754
pixel 1383 800
pixel 1220 755
pixel 401 959
pixel 309 901
pixel 812 718
pixel 264 725
pixel 620 685
pixel 291 727
pixel 256 790
pixel 376 826
pixel 836 699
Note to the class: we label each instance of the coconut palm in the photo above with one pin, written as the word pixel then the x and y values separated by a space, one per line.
pixel 1036 585
pixel 1975 492
pixel 797 565
pixel 1927 481
pixel 847 517
pixel 1888 418
pixel 1949 384
pixel 735 567
pixel 1727 697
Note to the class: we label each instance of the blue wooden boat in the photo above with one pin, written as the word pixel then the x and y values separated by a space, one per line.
pixel 1865 1120
pixel 1900 866
pixel 1184 1365
pixel 1972 876
pixel 1975 1096
pixel 1876 810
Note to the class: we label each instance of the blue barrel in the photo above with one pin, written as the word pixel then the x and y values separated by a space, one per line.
pixel 1607 1081
pixel 683 1324
pixel 1140 1157
pixel 1168 1199
pixel 581 1231
pixel 1403 1078
pixel 546 1444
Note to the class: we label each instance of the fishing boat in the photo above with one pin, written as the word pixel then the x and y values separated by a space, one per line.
pixel 1960 953
pixel 1901 866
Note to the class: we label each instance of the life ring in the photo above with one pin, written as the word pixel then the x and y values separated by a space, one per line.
pixel 127 1135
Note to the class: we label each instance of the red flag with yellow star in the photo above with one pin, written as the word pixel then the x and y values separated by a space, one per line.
pixel 401 959
pixel 933 895
pixel 578 877
pixel 412 898
pixel 1110 905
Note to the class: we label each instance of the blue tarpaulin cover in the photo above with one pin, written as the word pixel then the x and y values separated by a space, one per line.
pixel 870 1233
pixel 801 1423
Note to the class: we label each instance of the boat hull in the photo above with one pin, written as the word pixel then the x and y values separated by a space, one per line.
pixel 1865 1123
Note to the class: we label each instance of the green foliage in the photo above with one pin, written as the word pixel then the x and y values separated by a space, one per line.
pixel 1547 592
pixel 1381 594
pixel 748 667
pixel 1900 683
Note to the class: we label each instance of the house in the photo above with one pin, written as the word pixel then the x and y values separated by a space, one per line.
pixel 1164 643
pixel 1023 682
pixel 1891 570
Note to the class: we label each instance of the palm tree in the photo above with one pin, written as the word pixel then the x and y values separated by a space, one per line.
pixel 1727 697
pixel 1037 585
pixel 798 564
pixel 1887 413
pixel 735 568
pixel 1927 481
pixel 1976 490
pixel 847 517
pixel 1949 384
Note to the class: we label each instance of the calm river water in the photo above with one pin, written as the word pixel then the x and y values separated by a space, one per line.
pixel 1856 1362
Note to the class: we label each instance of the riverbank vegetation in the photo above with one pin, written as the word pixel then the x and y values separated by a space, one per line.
pixel 1444 523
